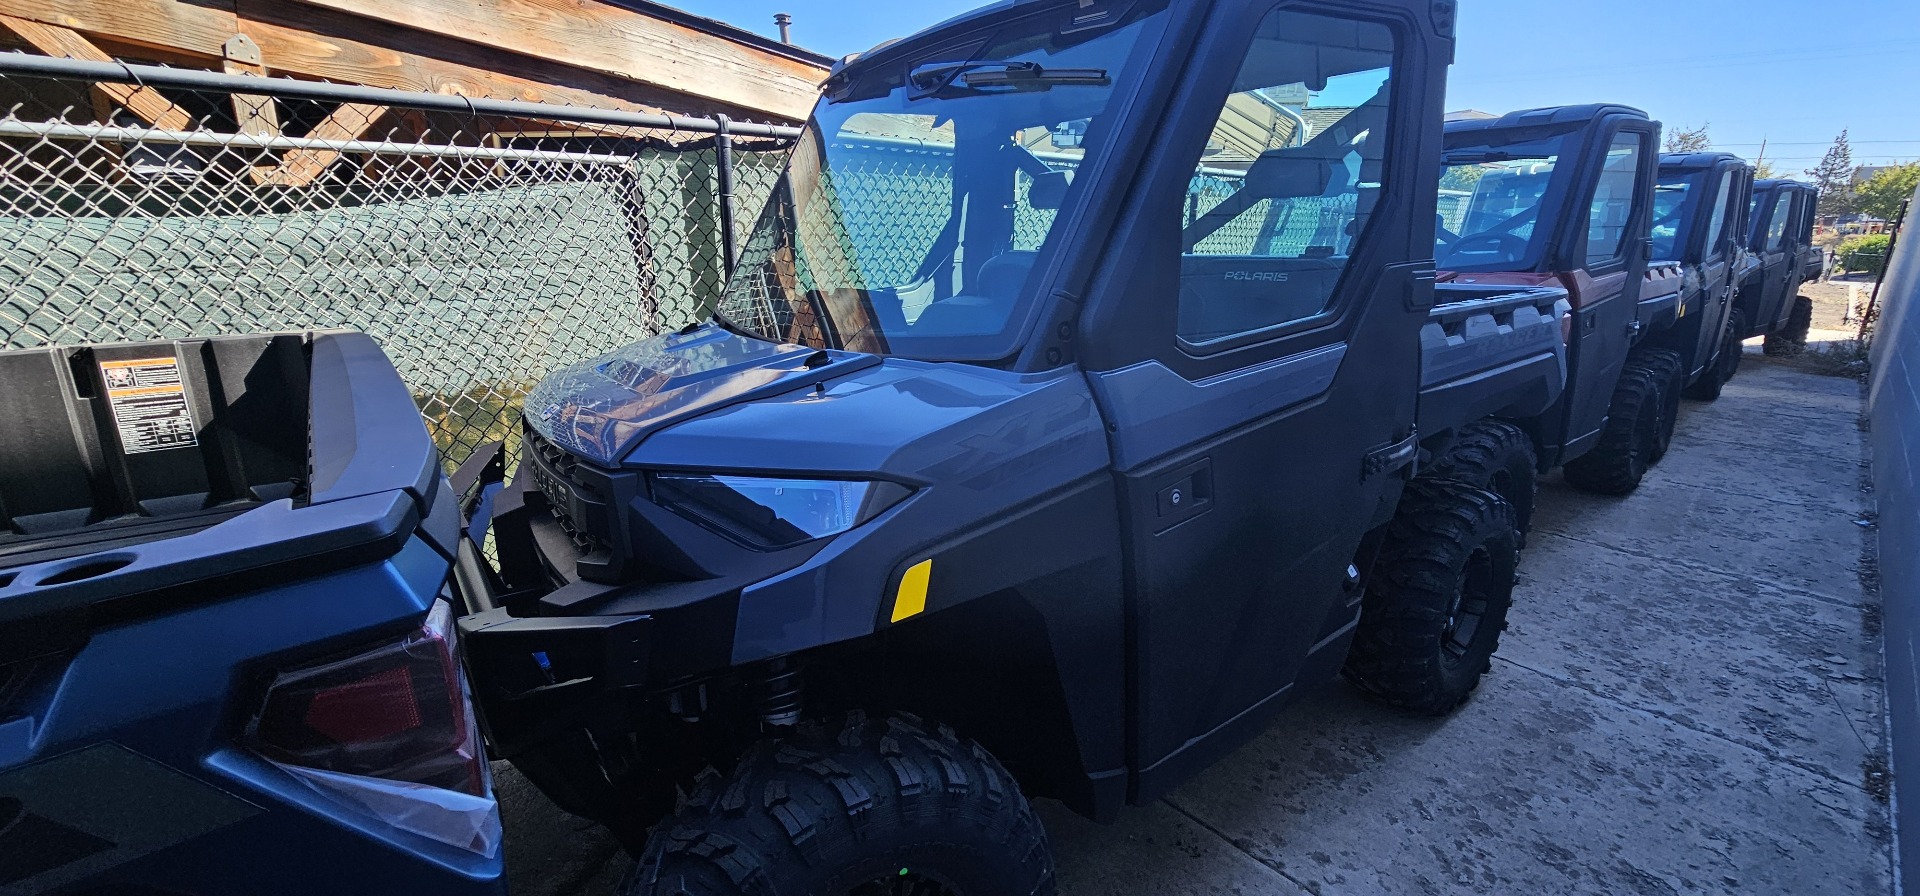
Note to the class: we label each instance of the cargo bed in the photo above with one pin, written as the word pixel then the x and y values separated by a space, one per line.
pixel 152 469
pixel 1491 350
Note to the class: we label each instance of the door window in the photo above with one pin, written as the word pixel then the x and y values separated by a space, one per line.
pixel 1613 200
pixel 1282 192
pixel 1778 220
pixel 1670 213
pixel 1722 219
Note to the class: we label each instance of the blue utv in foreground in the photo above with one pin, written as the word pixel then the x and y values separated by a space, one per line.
pixel 226 652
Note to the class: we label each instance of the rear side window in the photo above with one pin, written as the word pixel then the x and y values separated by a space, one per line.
pixel 1613 200
pixel 1291 170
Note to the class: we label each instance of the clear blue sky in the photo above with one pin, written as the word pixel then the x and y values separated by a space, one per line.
pixel 1791 73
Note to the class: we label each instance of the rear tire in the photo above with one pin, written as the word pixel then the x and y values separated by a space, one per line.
pixel 1725 364
pixel 1497 456
pixel 1437 599
pixel 1616 464
pixel 854 808
pixel 1736 349
pixel 1669 371
pixel 1791 338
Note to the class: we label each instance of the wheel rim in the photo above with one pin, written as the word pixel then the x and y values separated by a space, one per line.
pixel 1470 603
pixel 905 882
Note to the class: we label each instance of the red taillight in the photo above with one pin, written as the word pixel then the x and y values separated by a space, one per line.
pixel 397 712
pixel 377 707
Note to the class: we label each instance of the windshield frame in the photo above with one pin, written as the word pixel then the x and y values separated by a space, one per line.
pixel 966 38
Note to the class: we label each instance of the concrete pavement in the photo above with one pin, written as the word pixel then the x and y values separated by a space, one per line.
pixel 1689 700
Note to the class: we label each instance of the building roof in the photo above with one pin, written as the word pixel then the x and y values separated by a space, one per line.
pixel 726 30
pixel 1864 173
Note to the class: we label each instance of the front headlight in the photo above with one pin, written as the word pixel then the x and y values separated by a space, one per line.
pixel 766 512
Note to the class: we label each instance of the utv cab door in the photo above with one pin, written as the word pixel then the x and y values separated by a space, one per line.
pixel 1813 259
pixel 1779 275
pixel 1719 245
pixel 1604 253
pixel 1252 340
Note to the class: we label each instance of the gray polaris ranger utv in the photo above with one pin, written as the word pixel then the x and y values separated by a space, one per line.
pixel 1059 425
pixel 1780 237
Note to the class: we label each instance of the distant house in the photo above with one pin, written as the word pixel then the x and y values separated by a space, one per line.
pixel 1470 115
pixel 1866 173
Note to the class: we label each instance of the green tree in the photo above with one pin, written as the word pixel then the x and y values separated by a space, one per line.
pixel 1764 170
pixel 1881 196
pixel 1688 139
pixel 1834 177
pixel 1461 177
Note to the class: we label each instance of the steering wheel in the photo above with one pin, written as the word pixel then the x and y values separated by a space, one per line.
pixel 1506 244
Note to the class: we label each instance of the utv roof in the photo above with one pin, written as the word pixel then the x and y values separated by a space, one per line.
pixel 1695 161
pixel 991 10
pixel 1778 182
pixel 1552 117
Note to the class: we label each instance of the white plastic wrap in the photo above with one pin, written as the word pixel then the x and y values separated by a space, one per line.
pixel 457 819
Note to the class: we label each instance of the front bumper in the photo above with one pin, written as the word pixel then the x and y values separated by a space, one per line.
pixel 549 652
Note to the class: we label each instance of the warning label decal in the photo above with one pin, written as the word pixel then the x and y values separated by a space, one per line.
pixel 149 404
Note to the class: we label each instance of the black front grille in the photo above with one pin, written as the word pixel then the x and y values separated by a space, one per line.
pixel 555 457
pixel 558 477
pixel 576 506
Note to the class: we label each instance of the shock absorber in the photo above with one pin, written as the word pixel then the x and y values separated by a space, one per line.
pixel 780 694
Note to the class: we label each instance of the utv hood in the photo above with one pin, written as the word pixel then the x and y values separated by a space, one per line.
pixel 600 409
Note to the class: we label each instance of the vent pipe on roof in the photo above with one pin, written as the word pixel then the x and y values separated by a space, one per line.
pixel 784 22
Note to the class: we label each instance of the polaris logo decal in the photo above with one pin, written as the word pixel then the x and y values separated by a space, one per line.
pixel 1264 276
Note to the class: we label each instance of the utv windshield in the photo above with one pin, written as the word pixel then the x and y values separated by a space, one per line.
pixel 913 210
pixel 1490 198
pixel 1670 213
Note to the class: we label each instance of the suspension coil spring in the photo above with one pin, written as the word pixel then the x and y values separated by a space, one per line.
pixel 780 694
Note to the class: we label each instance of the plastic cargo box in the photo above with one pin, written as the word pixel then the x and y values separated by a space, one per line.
pixel 226 662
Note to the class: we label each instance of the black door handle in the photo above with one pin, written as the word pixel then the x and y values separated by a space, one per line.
pixel 1182 494
pixel 1389 458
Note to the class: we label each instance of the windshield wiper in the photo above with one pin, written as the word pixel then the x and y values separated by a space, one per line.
pixel 1482 158
pixel 1012 77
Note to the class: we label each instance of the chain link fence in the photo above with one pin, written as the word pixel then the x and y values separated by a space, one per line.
pixel 482 243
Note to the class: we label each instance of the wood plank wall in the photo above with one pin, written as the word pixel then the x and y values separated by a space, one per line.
pixel 580 52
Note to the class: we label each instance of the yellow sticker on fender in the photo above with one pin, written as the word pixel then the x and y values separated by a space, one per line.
pixel 911 599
